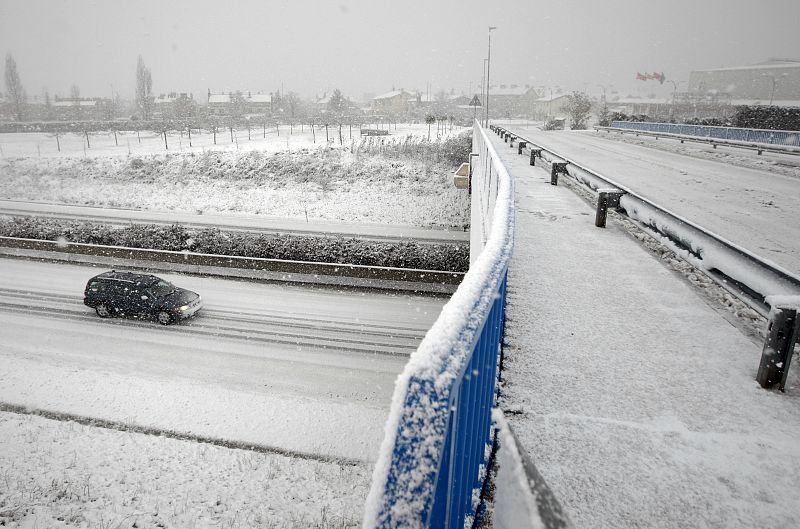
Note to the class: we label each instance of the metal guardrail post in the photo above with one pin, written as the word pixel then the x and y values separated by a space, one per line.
pixel 521 146
pixel 784 328
pixel 556 169
pixel 512 138
pixel 606 198
pixel 535 153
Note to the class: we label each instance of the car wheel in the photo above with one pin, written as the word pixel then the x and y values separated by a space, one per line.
pixel 164 317
pixel 102 310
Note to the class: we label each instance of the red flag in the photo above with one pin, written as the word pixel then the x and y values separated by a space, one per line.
pixel 640 77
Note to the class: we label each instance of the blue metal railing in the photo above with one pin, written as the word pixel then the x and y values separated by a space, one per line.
pixel 439 434
pixel 768 137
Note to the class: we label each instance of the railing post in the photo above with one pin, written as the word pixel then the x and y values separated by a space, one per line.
pixel 521 146
pixel 535 153
pixel 783 330
pixel 605 198
pixel 556 169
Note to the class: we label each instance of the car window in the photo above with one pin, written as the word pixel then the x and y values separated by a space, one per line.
pixel 161 288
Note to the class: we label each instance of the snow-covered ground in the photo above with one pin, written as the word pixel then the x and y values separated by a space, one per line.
pixel 754 208
pixel 362 182
pixel 129 143
pixel 57 474
pixel 634 397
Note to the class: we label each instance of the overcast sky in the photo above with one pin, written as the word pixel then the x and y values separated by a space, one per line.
pixel 358 46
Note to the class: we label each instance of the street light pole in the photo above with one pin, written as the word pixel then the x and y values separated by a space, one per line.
pixel 483 83
pixel 488 66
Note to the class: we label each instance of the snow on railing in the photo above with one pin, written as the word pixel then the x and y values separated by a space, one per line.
pixel 433 460
pixel 768 137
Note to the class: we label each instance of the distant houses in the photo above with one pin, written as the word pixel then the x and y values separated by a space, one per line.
pixel 239 103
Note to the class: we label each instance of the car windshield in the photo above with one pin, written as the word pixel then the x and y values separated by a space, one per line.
pixel 161 288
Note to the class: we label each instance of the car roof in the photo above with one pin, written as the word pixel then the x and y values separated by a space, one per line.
pixel 128 277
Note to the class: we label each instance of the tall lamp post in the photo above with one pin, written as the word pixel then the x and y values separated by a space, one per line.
pixel 483 83
pixel 488 65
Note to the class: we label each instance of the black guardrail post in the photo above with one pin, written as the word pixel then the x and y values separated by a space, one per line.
pixel 521 146
pixel 606 198
pixel 557 169
pixel 511 140
pixel 783 331
pixel 535 153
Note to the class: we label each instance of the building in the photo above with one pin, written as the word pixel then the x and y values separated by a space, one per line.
pixel 174 105
pixel 81 109
pixel 239 103
pixel 512 101
pixel 551 106
pixel 394 102
pixel 776 81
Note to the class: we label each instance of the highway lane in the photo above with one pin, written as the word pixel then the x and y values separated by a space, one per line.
pixel 257 223
pixel 318 363
pixel 754 209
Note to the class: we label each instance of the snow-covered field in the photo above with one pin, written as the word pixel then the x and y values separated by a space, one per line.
pixel 129 143
pixel 408 182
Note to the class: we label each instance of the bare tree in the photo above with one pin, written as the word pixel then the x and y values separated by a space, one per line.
pixel 578 106
pixel 16 93
pixel 144 89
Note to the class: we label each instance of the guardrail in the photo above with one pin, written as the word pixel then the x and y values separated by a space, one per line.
pixel 433 462
pixel 769 289
pixel 761 140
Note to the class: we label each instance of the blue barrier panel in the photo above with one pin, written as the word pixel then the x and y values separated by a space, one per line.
pixel 769 137
pixel 435 453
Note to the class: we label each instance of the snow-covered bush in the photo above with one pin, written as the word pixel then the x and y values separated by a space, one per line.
pixel 447 257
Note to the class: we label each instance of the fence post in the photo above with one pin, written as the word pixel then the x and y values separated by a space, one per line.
pixel 556 169
pixel 521 146
pixel 605 198
pixel 783 331
pixel 535 153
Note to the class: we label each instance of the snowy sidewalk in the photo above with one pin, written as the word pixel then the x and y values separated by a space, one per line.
pixel 636 400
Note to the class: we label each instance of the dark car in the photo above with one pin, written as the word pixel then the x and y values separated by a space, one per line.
pixel 140 296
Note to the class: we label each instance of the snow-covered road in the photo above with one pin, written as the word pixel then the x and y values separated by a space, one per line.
pixel 755 209
pixel 302 370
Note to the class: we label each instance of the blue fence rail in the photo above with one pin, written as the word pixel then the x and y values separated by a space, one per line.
pixel 767 137
pixel 438 439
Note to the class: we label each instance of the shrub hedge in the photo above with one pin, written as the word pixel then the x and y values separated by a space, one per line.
pixel 445 257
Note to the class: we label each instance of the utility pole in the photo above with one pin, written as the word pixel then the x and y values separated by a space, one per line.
pixel 483 84
pixel 488 66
